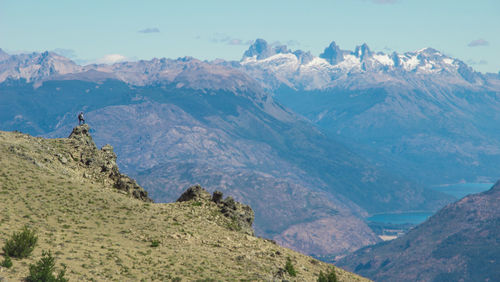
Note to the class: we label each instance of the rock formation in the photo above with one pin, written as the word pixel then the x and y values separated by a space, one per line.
pixel 242 216
pixel 100 164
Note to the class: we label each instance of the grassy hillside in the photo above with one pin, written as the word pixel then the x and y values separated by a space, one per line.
pixel 102 227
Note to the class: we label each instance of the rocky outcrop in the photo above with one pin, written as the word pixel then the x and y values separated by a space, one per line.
pixel 194 193
pixel 241 215
pixel 100 165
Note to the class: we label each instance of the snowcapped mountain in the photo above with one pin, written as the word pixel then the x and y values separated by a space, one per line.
pixel 420 114
pixel 272 66
pixel 278 66
pixel 413 113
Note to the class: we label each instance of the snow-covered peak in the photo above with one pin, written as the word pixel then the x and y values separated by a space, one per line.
pixel 298 68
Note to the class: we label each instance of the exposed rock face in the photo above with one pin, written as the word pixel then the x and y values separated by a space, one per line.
pixel 101 164
pixel 242 215
pixel 194 193
pixel 217 197
pixel 82 134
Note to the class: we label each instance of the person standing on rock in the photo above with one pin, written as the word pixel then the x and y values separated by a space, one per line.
pixel 81 120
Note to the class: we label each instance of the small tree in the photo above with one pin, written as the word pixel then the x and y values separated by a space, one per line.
pixel 43 270
pixel 328 277
pixel 289 268
pixel 21 244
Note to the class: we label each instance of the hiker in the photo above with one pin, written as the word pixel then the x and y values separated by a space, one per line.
pixel 81 120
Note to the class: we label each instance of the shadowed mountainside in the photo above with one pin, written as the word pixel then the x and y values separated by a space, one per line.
pixel 461 242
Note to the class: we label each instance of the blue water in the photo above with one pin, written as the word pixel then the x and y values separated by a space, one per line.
pixel 461 190
pixel 401 218
pixel 457 190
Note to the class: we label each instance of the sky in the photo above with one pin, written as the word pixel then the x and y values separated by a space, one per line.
pixel 109 31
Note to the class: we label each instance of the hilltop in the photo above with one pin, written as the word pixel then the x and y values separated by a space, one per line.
pixel 103 226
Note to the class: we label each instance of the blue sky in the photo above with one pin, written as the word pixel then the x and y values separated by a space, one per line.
pixel 93 30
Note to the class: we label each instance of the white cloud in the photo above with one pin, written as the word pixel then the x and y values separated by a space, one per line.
pixel 111 59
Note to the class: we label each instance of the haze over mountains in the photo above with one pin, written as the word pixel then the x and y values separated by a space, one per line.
pixel 422 114
pixel 222 124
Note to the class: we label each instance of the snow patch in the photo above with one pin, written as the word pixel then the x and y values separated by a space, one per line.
pixel 350 62
pixel 384 59
pixel 448 61
pixel 411 63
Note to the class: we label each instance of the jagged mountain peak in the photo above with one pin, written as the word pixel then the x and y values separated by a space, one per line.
pixel 35 66
pixel 334 63
pixel 362 51
pixel 333 54
pixel 261 49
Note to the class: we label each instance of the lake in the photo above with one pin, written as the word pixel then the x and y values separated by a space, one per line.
pixel 463 189
pixel 457 190
pixel 400 218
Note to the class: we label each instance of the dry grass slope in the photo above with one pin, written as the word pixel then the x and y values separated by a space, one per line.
pixel 104 235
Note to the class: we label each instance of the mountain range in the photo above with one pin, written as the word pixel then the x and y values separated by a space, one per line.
pixel 184 121
pixel 314 144
pixel 423 114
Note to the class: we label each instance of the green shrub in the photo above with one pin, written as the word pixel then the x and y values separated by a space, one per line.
pixel 328 277
pixel 43 270
pixel 289 268
pixel 7 262
pixel 196 204
pixel 21 244
pixel 155 243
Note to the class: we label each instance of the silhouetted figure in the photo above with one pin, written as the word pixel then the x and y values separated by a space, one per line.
pixel 81 120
